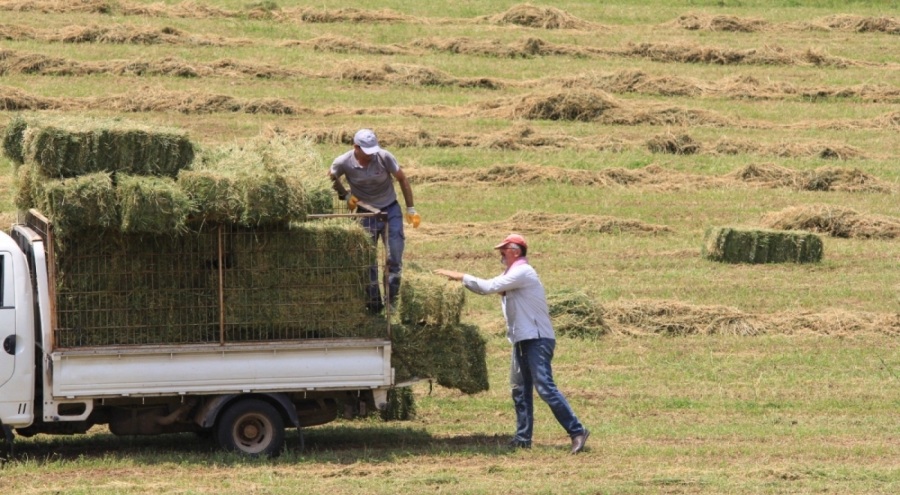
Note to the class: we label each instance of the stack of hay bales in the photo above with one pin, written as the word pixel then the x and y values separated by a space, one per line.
pixel 431 341
pixel 137 241
pixel 734 245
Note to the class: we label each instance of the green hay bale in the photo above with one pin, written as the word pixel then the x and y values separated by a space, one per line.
pixel 85 202
pixel 215 196
pixel 12 139
pixel 455 356
pixel 68 146
pixel 24 184
pixel 575 314
pixel 731 245
pixel 401 405
pixel 151 205
pixel 308 280
pixel 276 181
pixel 427 299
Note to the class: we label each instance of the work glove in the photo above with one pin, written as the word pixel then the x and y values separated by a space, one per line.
pixel 412 217
pixel 352 202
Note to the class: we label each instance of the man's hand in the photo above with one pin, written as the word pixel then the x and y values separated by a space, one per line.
pixel 412 217
pixel 450 274
pixel 352 203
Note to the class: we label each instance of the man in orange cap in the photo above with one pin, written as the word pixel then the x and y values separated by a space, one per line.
pixel 530 330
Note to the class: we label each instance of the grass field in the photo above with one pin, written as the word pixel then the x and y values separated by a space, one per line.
pixel 612 134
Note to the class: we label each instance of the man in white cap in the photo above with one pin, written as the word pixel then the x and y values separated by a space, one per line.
pixel 370 171
pixel 530 330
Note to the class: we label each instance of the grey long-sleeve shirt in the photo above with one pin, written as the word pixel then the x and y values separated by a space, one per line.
pixel 524 301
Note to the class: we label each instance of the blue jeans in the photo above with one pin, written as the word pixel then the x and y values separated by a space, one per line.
pixel 531 370
pixel 394 243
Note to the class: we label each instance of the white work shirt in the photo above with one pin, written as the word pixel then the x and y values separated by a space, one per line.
pixel 524 301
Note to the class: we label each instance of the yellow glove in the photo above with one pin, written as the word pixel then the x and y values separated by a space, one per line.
pixel 352 202
pixel 412 217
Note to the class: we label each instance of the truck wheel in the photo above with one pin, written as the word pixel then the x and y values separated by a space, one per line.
pixel 252 427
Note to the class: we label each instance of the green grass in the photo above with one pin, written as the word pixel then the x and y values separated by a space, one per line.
pixel 775 414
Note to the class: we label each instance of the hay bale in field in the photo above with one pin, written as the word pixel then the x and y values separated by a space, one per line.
pixel 575 314
pixel 69 146
pixel 12 139
pixel 835 221
pixel 427 299
pixel 455 356
pixel 88 201
pixel 152 205
pixel 733 245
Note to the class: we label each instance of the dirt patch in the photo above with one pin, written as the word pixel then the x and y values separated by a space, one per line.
pixel 730 23
pixel 533 16
pixel 835 221
pixel 820 179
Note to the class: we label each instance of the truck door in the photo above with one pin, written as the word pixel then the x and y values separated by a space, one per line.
pixel 7 319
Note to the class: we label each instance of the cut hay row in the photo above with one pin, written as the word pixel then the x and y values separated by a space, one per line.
pixel 739 245
pixel 623 81
pixel 61 146
pixel 836 221
pixel 582 106
pixel 659 178
pixel 524 15
pixel 528 222
pixel 118 35
pixel 576 314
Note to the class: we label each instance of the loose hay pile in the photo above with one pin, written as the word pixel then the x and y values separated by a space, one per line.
pixel 575 314
pixel 733 245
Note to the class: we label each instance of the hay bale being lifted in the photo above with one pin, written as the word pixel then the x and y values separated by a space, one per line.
pixel 62 146
pixel 733 245
pixel 427 299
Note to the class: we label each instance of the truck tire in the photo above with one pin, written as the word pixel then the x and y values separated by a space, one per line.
pixel 252 427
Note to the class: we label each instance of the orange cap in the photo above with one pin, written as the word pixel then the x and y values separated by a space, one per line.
pixel 512 239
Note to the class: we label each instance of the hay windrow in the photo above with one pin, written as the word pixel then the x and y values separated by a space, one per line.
pixel 533 16
pixel 820 179
pixel 531 223
pixel 858 24
pixel 693 54
pixel 315 16
pixel 643 317
pixel 728 23
pixel 342 44
pixel 14 99
pixel 525 48
pixel 833 220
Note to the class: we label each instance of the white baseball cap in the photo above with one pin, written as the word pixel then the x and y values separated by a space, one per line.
pixel 365 139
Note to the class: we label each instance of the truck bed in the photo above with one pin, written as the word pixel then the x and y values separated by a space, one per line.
pixel 210 368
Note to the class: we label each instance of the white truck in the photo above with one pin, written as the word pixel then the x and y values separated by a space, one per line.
pixel 242 392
